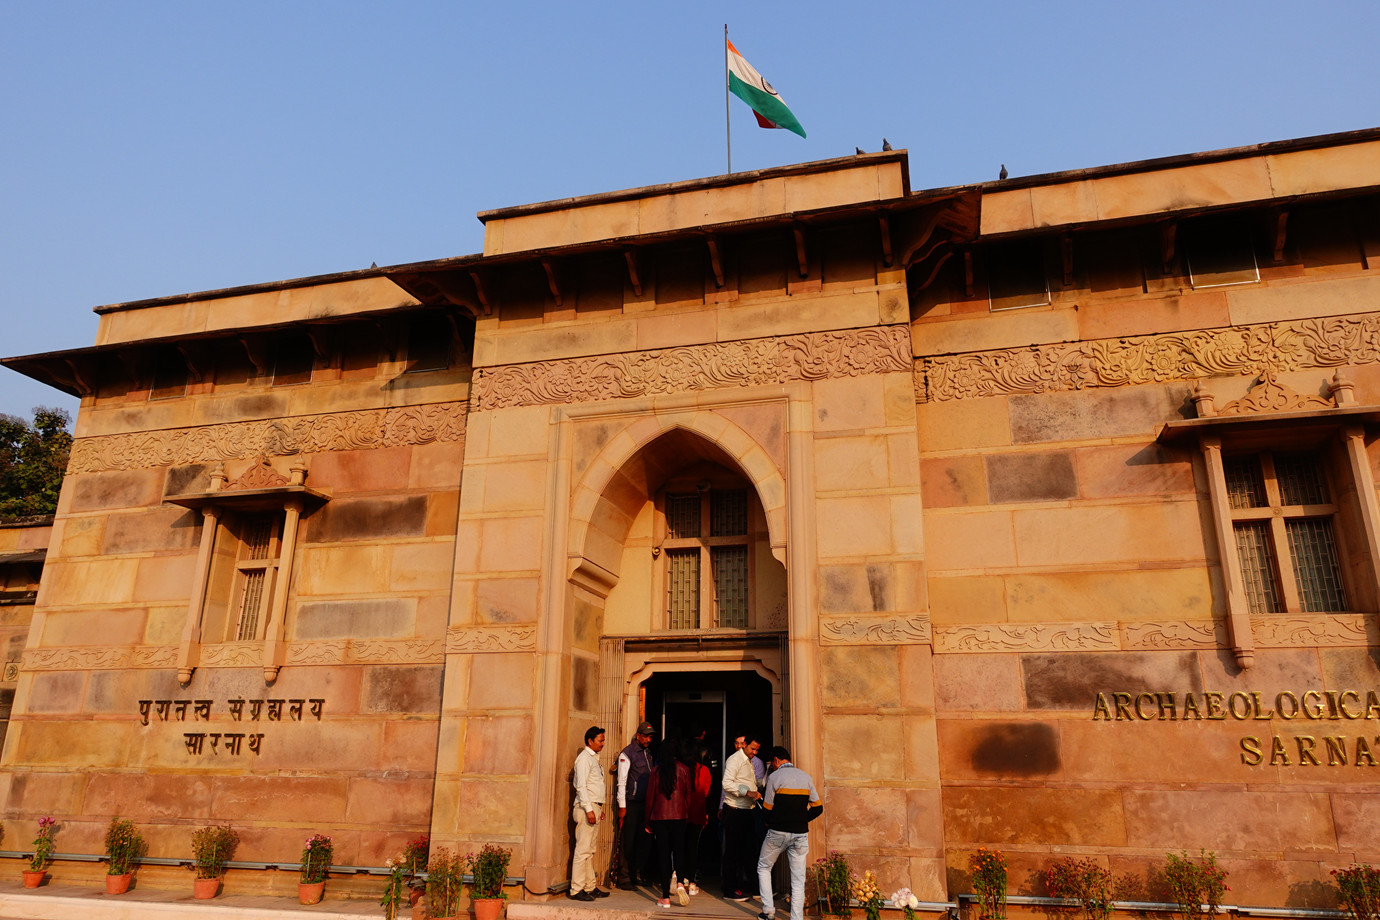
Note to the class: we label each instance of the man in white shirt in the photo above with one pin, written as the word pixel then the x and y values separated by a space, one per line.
pixel 587 813
pixel 740 834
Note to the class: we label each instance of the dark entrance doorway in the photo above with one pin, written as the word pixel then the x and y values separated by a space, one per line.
pixel 723 703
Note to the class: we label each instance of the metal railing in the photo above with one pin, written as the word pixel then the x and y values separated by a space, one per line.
pixel 1158 907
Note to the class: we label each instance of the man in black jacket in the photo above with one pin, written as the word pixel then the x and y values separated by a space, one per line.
pixel 634 771
pixel 791 803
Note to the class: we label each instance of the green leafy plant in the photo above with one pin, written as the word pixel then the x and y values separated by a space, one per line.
pixel 869 896
pixel 989 882
pixel 123 846
pixel 445 873
pixel 1084 881
pixel 1197 887
pixel 1359 886
pixel 394 894
pixel 43 844
pixel 212 848
pixel 487 870
pixel 33 459
pixel 316 859
pixel 834 884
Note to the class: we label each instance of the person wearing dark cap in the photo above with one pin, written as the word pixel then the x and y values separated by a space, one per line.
pixel 634 772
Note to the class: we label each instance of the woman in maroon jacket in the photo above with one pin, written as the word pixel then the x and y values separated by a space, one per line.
pixel 668 808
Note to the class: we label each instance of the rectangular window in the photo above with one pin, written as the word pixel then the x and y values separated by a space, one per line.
pixel 1282 518
pixel 683 516
pixel 428 343
pixel 1016 275
pixel 255 566
pixel 1219 252
pixel 683 588
pixel 730 564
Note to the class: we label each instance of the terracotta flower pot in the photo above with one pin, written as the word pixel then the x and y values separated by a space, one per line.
pixel 33 877
pixel 118 884
pixel 310 892
pixel 487 908
pixel 204 888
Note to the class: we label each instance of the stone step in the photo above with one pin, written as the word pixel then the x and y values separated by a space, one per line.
pixel 67 902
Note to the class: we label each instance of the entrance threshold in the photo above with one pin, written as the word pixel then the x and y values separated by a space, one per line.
pixel 63 902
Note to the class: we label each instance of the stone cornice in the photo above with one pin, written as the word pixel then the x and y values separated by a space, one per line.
pixel 1268 631
pixel 751 362
pixel 369 428
pixel 236 655
pixel 1285 346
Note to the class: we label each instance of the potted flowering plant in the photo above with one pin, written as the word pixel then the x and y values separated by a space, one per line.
pixel 1359 887
pixel 123 846
pixel 1195 885
pixel 868 895
pixel 834 880
pixel 488 869
pixel 43 852
pixel 403 870
pixel 989 882
pixel 212 848
pixel 316 865
pixel 444 874
pixel 906 900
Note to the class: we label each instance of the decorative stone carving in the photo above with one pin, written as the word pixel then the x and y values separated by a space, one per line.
pixel 1284 346
pixel 1173 635
pixel 491 638
pixel 1036 637
pixel 11 671
pixel 874 630
pixel 367 651
pixel 261 475
pixel 1273 396
pixel 88 658
pixel 232 654
pixel 753 362
pixel 371 428
pixel 1309 631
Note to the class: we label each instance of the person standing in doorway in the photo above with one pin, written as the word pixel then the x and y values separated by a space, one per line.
pixel 692 756
pixel 588 813
pixel 668 809
pixel 740 798
pixel 790 803
pixel 634 772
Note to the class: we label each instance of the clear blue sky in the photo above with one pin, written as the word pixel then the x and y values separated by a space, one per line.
pixel 156 148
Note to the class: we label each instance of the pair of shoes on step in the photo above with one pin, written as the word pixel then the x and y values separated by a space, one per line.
pixel 599 893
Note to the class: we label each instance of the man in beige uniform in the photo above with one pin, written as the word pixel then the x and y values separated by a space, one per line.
pixel 588 813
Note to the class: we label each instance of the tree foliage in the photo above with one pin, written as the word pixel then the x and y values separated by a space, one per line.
pixel 33 459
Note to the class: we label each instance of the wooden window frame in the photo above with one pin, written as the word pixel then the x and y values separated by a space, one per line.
pixel 708 615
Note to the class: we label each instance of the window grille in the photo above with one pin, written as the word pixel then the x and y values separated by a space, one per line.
pixel 728 513
pixel 730 569
pixel 1257 556
pixel 683 516
pixel 1301 480
pixel 250 604
pixel 1245 486
pixel 1316 569
pixel 683 588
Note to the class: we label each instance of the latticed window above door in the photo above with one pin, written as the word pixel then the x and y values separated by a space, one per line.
pixel 706 564
pixel 1282 514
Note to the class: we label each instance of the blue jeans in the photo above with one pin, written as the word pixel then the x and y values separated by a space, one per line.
pixel 795 847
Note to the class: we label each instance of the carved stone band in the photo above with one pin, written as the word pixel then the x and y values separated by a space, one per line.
pixel 1285 346
pixel 1268 630
pixel 750 362
pixel 913 630
pixel 491 638
pixel 370 428
pixel 237 655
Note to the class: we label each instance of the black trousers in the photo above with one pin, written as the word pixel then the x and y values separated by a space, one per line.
pixel 691 872
pixel 670 848
pixel 740 850
pixel 635 843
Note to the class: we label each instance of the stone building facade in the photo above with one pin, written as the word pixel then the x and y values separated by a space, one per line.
pixel 1037 514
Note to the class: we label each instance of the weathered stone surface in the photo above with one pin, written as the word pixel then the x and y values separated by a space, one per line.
pixel 368 519
pixel 354 618
pixel 402 690
pixel 1047 476
pixel 1032 816
pixel 1073 680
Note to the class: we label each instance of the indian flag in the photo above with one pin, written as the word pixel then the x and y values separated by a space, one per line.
pixel 747 84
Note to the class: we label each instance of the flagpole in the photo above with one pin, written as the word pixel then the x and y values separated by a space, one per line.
pixel 728 129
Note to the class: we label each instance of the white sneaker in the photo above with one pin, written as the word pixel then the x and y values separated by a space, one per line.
pixel 682 896
pixel 694 889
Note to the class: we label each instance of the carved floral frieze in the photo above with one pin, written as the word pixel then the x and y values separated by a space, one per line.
pixel 491 638
pixel 752 362
pixel 1033 637
pixel 1310 631
pixel 238 655
pixel 1284 346
pixel 1174 634
pixel 874 630
pixel 370 428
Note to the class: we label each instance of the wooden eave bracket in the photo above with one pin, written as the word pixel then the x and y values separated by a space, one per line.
pixel 1066 252
pixel 968 272
pixel 716 261
pixel 257 353
pixel 197 359
pixel 884 226
pixel 1281 222
pixel 1168 233
pixel 137 364
pixel 482 293
pixel 465 300
pixel 553 282
pixel 634 262
pixel 322 343
pixel 83 380
pixel 911 238
pixel 801 257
